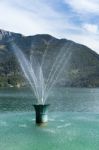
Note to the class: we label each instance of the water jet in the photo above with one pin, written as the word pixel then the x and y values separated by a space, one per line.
pixel 42 74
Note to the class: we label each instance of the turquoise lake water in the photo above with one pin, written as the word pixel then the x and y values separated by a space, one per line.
pixel 73 120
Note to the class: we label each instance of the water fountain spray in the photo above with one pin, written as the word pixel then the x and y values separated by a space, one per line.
pixel 41 109
pixel 34 73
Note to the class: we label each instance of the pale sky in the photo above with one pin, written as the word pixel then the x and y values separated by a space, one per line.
pixel 77 20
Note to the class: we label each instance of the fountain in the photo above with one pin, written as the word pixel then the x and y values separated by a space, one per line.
pixel 40 81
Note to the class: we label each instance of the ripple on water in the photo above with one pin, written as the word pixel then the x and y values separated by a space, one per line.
pixel 50 131
pixel 22 125
pixel 64 125
pixel 62 120
pixel 51 119
pixel 3 123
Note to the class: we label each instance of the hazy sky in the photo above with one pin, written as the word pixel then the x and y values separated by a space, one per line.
pixel 77 20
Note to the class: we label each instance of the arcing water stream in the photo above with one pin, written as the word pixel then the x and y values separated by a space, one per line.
pixel 35 71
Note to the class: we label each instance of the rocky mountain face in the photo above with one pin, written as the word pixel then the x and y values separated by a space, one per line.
pixel 82 69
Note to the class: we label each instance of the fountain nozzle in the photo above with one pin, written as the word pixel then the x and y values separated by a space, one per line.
pixel 41 114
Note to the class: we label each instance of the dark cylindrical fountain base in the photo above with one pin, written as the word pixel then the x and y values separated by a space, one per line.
pixel 41 114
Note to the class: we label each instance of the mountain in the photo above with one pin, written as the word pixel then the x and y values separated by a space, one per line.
pixel 82 71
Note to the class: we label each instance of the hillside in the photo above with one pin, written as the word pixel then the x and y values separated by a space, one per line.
pixel 82 71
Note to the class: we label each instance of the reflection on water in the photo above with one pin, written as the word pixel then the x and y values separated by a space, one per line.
pixel 61 99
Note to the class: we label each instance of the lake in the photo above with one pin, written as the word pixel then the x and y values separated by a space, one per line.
pixel 73 120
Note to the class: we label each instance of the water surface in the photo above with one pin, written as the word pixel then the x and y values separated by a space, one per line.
pixel 61 99
pixel 73 120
